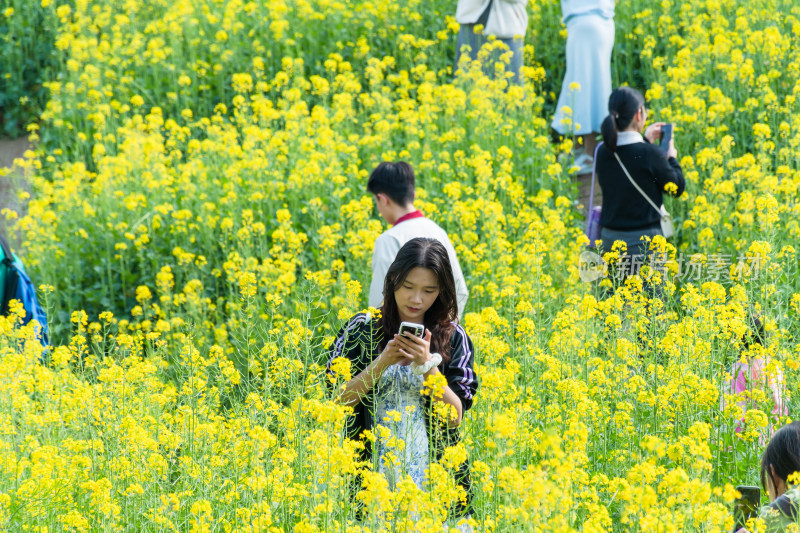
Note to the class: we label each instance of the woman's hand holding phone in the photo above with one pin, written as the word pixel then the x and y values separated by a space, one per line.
pixel 671 151
pixel 653 132
pixel 415 348
pixel 393 354
pixel 653 135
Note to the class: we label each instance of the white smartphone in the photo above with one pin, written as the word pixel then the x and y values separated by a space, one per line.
pixel 410 328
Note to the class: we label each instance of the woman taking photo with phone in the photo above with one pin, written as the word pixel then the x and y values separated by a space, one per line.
pixel 633 173
pixel 389 369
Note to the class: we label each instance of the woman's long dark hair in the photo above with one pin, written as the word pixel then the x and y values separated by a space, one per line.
pixel 755 334
pixel 430 254
pixel 782 453
pixel 623 104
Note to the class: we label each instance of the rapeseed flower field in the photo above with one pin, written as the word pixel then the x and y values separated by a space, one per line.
pixel 200 226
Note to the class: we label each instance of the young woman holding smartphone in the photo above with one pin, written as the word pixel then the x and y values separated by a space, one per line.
pixel 389 369
pixel 633 173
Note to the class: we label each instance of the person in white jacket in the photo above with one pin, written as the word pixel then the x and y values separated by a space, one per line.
pixel 506 20
pixel 392 186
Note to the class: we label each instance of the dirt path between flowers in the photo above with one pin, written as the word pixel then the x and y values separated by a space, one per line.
pixel 584 182
pixel 11 149
pixel 11 183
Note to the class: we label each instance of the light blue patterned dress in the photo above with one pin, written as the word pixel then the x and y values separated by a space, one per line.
pixel 398 393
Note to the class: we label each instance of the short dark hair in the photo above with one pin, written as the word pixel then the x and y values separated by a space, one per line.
pixel 782 453
pixel 395 180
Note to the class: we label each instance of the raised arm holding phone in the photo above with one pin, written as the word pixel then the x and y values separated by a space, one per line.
pixel 634 172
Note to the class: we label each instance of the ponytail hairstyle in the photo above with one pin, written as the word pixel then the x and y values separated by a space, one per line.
pixel 623 104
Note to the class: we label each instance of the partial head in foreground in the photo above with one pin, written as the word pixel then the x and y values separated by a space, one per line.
pixel 781 459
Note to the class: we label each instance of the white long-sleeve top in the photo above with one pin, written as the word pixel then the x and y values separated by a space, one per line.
pixel 574 8
pixel 507 19
pixel 390 242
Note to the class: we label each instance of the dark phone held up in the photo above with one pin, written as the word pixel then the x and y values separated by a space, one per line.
pixel 745 507
pixel 666 136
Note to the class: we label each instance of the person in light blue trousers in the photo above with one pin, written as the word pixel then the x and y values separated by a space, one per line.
pixel 582 104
